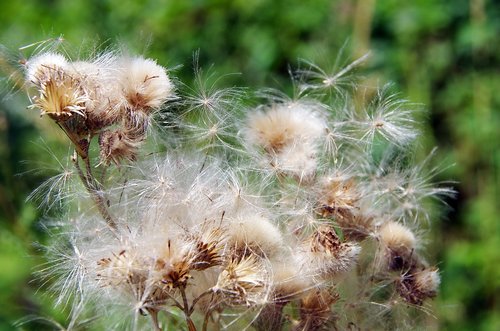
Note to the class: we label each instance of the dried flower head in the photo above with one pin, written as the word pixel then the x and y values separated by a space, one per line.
pixel 228 223
pixel 254 234
pixel 60 95
pixel 208 249
pixel 338 198
pixel 117 145
pixel 315 310
pixel 105 100
pixel 244 281
pixel 327 256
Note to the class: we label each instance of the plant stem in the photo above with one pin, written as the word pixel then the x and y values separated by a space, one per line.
pixel 96 194
pixel 187 311
pixel 154 319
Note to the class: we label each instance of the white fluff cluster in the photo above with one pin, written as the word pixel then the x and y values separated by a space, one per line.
pixel 292 207
pixel 112 96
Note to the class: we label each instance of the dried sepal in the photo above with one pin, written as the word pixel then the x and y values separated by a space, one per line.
pixel 208 249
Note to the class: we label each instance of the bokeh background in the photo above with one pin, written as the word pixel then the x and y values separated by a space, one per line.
pixel 443 54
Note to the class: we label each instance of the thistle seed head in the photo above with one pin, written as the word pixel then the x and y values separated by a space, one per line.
pixel 145 84
pixel 398 245
pixel 60 95
pixel 243 281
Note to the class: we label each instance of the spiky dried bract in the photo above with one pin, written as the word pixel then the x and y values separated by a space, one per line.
pixel 208 249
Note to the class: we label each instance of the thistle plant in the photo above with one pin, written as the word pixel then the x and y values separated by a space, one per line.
pixel 298 213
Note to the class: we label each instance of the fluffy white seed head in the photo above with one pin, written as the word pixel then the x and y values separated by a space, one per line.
pixel 428 280
pixel 145 84
pixel 397 246
pixel 397 237
pixel 290 282
pixel 284 125
pixel 254 233
pixel 298 159
pixel 39 68
pixel 325 256
pixel 105 100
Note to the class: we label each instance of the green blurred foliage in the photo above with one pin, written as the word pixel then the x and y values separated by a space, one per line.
pixel 444 54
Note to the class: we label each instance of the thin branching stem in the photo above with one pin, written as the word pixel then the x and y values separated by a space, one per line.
pixel 154 319
pixel 187 310
pixel 195 301
pixel 95 194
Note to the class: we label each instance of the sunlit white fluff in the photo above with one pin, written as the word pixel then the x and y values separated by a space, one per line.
pixel 145 84
pixel 283 125
pixel 40 67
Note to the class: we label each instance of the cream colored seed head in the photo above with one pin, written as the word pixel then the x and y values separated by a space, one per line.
pixel 41 67
pixel 397 237
pixel 105 97
pixel 243 281
pixel 282 125
pixel 427 281
pixel 145 84
pixel 298 160
pixel 256 234
pixel 289 281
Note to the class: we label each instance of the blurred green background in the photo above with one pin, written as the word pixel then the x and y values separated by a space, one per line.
pixel 443 54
